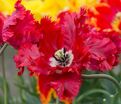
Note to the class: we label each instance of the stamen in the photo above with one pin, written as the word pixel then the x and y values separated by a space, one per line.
pixel 61 58
pixel 116 22
pixel 118 15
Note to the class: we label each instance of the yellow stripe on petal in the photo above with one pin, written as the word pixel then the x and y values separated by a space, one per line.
pixel 46 100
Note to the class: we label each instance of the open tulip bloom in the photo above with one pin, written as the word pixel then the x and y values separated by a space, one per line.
pixel 58 52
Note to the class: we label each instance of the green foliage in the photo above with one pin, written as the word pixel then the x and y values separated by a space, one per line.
pixel 93 91
pixel 26 93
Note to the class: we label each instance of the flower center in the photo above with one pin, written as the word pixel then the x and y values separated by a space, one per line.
pixel 116 21
pixel 61 58
pixel 118 15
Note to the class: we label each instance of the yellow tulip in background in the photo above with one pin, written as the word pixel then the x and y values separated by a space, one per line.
pixel 46 7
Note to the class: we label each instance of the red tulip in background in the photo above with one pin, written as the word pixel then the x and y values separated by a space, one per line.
pixel 107 14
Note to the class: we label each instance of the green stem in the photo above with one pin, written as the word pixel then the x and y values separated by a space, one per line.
pixel 4 83
pixel 92 92
pixel 3 48
pixel 57 101
pixel 104 76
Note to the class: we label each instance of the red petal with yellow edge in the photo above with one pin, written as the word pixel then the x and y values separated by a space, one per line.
pixel 66 85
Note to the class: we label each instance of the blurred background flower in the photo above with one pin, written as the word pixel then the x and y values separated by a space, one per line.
pixel 46 7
